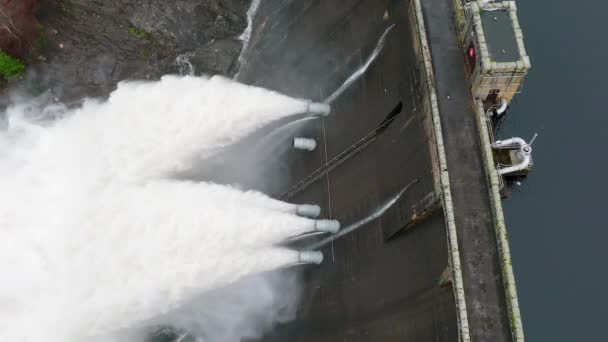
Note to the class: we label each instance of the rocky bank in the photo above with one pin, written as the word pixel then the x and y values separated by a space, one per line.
pixel 18 27
pixel 79 48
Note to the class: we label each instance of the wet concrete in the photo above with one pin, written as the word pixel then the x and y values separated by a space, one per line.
pixel 484 291
pixel 369 288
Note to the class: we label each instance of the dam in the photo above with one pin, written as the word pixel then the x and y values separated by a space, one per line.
pixel 436 265
pixel 408 163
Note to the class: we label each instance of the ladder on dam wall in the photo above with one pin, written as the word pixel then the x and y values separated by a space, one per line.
pixel 345 155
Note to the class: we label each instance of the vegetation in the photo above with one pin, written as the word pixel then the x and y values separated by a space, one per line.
pixel 10 66
pixel 150 42
pixel 41 40
pixel 138 33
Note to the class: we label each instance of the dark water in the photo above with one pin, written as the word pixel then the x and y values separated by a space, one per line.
pixel 557 223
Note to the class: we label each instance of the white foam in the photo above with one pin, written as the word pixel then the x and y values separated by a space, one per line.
pixel 96 236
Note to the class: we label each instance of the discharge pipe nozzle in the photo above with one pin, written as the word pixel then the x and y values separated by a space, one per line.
pixel 308 210
pixel 322 109
pixel 305 144
pixel 311 257
pixel 327 226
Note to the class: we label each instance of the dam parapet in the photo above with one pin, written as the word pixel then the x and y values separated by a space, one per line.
pixel 487 42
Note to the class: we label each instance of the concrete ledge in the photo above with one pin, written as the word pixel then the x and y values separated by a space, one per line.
pixel 499 224
pixel 443 178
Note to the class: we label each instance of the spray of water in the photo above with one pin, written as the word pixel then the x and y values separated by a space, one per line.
pixel 95 234
pixel 253 161
pixel 359 72
pixel 246 35
pixel 285 132
pixel 184 66
pixel 376 214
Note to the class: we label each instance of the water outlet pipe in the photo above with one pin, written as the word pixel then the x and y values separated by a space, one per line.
pixel 327 226
pixel 315 108
pixel 310 257
pixel 308 210
pixel 305 144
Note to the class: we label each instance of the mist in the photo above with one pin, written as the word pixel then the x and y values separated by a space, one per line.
pixel 105 233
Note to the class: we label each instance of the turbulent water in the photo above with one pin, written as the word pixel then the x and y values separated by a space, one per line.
pixel 97 235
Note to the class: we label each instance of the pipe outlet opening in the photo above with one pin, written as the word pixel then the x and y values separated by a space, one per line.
pixel 304 144
pixel 327 226
pixel 311 257
pixel 308 210
pixel 322 109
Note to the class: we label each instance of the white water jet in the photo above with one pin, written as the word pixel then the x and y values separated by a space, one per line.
pixel 359 72
pixel 95 236
pixel 177 119
pixel 376 214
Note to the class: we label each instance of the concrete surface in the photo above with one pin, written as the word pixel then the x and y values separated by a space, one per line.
pixel 369 288
pixel 486 303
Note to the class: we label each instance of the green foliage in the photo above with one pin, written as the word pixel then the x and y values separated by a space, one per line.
pixel 10 66
pixel 138 33
pixel 41 40
pixel 149 42
pixel 146 53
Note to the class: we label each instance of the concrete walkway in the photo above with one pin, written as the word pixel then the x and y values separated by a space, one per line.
pixel 484 292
